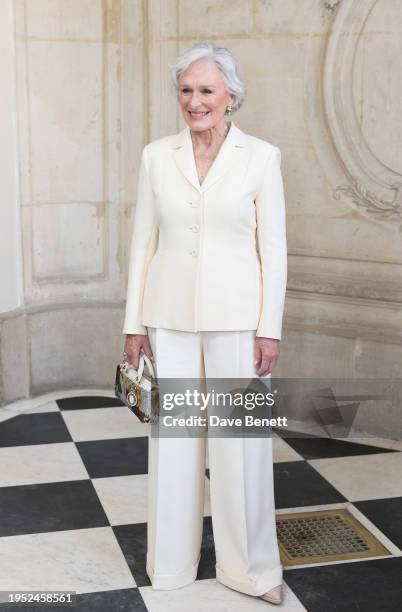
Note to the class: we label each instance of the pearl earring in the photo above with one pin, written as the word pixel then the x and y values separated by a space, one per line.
pixel 229 109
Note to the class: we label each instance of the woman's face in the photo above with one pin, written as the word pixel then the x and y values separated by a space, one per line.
pixel 202 95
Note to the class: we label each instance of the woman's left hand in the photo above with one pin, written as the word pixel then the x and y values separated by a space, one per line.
pixel 266 354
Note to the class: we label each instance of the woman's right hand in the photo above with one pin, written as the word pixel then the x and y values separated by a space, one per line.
pixel 133 345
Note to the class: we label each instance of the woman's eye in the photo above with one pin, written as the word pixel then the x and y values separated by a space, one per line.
pixel 205 91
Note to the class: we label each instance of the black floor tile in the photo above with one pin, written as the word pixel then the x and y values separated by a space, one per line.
pixel 55 506
pixel 92 401
pixel 206 566
pixel 133 542
pixel 117 457
pixel 315 447
pixel 38 428
pixel 122 600
pixel 297 483
pixel 386 514
pixel 361 586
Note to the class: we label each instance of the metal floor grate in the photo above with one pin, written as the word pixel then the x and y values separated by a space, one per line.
pixel 324 535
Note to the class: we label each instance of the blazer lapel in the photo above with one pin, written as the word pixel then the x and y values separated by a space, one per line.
pixel 184 157
pixel 233 150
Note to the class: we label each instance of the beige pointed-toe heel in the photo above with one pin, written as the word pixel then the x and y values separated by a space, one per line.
pixel 274 596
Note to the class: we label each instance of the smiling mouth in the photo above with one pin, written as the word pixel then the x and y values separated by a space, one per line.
pixel 199 114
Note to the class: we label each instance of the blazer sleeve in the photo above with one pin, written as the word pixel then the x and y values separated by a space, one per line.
pixel 144 243
pixel 272 247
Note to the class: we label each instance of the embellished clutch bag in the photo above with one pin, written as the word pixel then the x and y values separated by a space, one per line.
pixel 138 389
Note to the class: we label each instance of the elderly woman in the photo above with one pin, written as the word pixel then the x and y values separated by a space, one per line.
pixel 206 292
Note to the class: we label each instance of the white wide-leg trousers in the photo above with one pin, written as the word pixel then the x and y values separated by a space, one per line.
pixel 241 478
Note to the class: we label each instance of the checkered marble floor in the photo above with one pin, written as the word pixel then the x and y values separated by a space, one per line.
pixel 73 507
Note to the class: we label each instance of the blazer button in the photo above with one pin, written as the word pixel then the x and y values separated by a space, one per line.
pixel 193 252
pixel 193 204
pixel 195 228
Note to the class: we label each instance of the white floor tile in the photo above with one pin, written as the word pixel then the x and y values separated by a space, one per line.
pixel 283 452
pixel 212 596
pixel 125 498
pixel 6 414
pixel 104 424
pixel 22 405
pixel 363 476
pixel 82 560
pixel 46 407
pixel 37 463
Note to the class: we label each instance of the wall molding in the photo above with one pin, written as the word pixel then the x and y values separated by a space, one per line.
pixel 351 317
pixel 105 274
pixel 372 188
pixel 334 315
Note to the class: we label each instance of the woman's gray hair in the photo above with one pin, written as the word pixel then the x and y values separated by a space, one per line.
pixel 224 61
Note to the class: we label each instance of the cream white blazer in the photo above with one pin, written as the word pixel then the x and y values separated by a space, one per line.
pixel 212 256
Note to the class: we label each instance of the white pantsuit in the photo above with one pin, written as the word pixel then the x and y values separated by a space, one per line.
pixel 241 478
pixel 207 274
